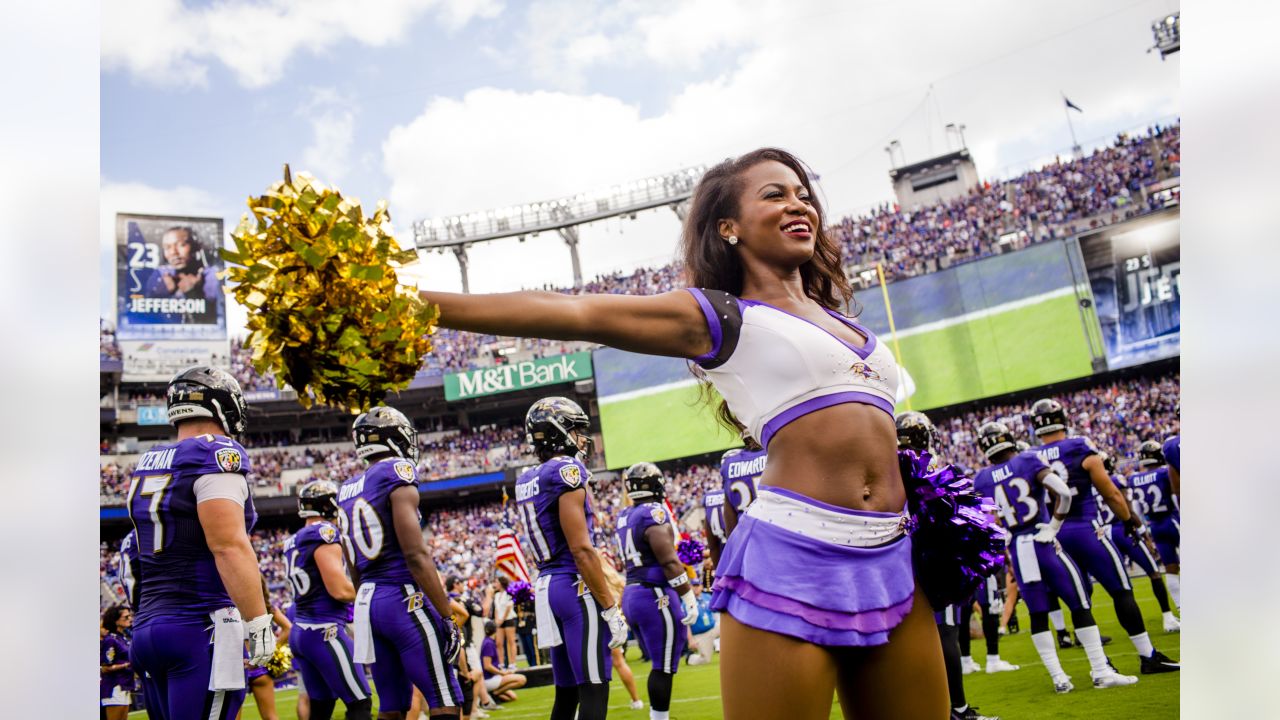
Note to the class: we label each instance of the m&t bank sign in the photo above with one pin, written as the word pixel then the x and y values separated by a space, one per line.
pixel 528 374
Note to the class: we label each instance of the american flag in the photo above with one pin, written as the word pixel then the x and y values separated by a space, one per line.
pixel 510 559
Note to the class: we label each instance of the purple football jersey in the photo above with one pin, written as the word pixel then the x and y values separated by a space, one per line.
pixel 113 649
pixel 740 476
pixel 364 514
pixel 127 567
pixel 176 573
pixel 1153 494
pixel 1106 515
pixel 538 494
pixel 311 600
pixel 642 564
pixel 1018 493
pixel 1173 452
pixel 713 514
pixel 1066 458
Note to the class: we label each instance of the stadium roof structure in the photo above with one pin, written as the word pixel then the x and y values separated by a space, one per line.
pixel 562 215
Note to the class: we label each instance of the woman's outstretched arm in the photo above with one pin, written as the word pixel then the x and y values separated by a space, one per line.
pixel 668 324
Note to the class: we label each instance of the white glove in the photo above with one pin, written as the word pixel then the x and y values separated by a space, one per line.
pixel 262 642
pixel 690 604
pixel 617 626
pixel 997 605
pixel 1047 531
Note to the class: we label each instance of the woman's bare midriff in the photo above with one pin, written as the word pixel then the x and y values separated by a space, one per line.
pixel 844 455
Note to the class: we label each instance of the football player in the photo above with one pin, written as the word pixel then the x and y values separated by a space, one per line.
pixel 322 596
pixel 713 523
pixel 577 614
pixel 1018 483
pixel 1140 550
pixel 658 601
pixel 127 567
pixel 916 432
pixel 197 575
pixel 1155 492
pixel 1079 463
pixel 1172 451
pixel 740 470
pixel 403 619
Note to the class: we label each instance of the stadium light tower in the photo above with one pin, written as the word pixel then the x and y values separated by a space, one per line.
pixel 1168 35
pixel 563 215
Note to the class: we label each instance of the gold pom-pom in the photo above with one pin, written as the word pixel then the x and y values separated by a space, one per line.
pixel 326 313
pixel 280 663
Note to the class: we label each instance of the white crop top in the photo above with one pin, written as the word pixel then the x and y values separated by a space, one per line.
pixel 772 367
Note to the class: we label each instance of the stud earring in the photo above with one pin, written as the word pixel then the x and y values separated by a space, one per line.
pixel 732 239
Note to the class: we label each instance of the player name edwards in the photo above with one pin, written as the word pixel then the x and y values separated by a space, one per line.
pixel 517 376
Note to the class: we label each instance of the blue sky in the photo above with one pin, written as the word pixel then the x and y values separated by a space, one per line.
pixel 446 106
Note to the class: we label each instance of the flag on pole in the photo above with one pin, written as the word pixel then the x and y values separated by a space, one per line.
pixel 510 558
pixel 1071 105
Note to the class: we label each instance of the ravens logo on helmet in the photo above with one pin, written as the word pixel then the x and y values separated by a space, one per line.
pixel 915 431
pixel 549 427
pixel 994 438
pixel 644 482
pixel 1048 416
pixel 1150 454
pixel 385 430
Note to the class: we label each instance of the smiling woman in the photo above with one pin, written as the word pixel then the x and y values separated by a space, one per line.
pixel 817 583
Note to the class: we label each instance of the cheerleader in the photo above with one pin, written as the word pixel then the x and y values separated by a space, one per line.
pixel 817 583
pixel 116 685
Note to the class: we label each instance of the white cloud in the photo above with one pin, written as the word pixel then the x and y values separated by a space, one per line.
pixel 168 43
pixel 564 39
pixel 832 82
pixel 333 122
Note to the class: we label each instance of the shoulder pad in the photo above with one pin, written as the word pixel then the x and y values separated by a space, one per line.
pixel 571 473
pixel 1085 444
pixel 327 532
pixel 404 470
pixel 658 513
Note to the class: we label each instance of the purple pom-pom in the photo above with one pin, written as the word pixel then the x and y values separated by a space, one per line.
pixel 956 541
pixel 690 551
pixel 521 592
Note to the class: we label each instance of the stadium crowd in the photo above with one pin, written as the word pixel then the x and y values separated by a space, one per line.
pixel 448 455
pixel 1054 201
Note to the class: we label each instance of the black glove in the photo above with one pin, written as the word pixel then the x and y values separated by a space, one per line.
pixel 453 645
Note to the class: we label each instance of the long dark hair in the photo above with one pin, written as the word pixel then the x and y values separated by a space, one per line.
pixel 710 262
pixel 111 618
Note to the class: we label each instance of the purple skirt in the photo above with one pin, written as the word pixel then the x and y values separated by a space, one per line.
pixel 805 576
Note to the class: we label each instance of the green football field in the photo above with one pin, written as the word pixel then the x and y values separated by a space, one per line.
pixel 1021 695
pixel 1026 347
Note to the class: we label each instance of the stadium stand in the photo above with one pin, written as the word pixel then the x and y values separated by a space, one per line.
pixel 1059 199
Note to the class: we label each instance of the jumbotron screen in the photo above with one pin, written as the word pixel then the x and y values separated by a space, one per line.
pixel 1006 323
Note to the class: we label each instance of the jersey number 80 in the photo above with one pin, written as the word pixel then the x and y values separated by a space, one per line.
pixel 363 527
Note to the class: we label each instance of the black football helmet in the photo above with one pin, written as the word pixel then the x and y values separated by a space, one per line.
pixel 644 482
pixel 1022 446
pixel 385 429
pixel 1150 454
pixel 915 431
pixel 547 427
pixel 1048 416
pixel 994 438
pixel 1109 463
pixel 318 498
pixel 207 392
